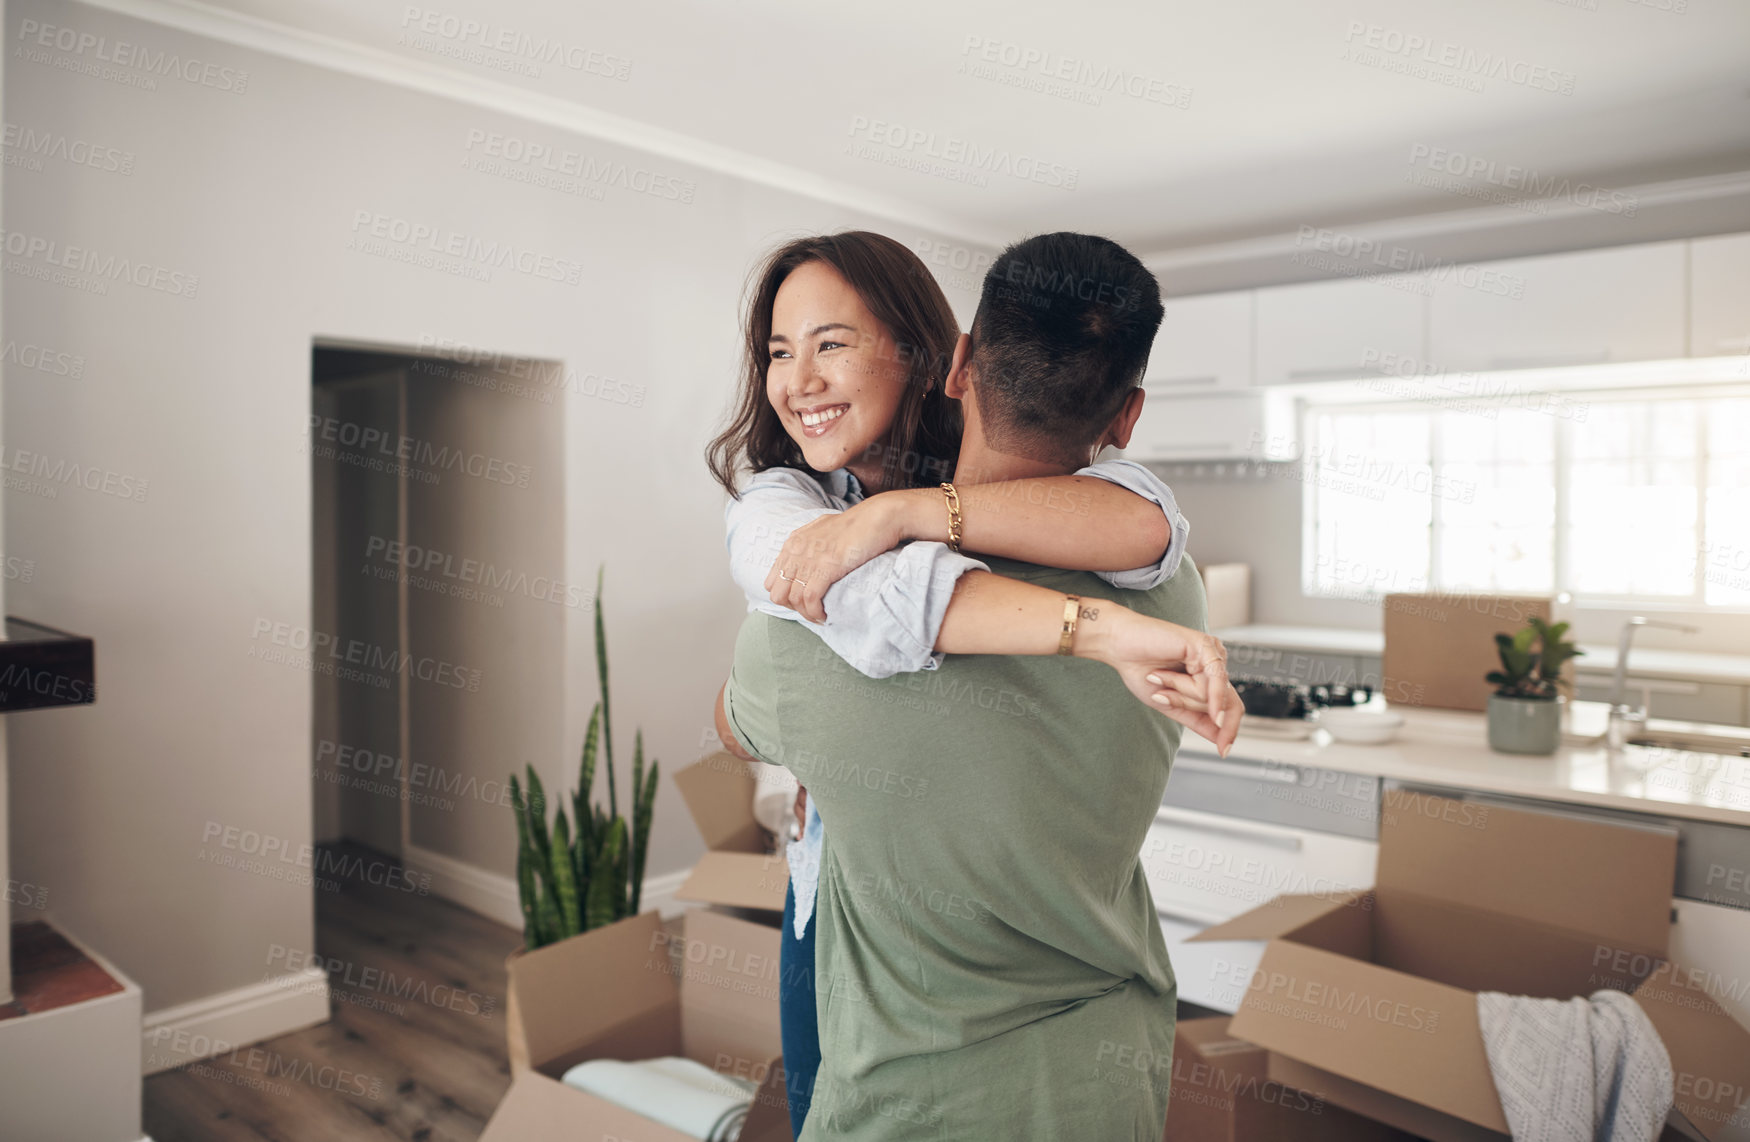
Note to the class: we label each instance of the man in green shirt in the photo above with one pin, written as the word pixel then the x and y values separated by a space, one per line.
pixel 989 962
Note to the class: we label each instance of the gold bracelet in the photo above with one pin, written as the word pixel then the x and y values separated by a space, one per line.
pixel 1072 609
pixel 953 498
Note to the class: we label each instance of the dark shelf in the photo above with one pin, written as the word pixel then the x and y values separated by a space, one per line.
pixel 42 667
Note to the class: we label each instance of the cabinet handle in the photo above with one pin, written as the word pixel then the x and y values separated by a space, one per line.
pixel 1550 360
pixel 1166 382
pixel 1205 449
pixel 1328 373
pixel 1240 769
pixel 1236 831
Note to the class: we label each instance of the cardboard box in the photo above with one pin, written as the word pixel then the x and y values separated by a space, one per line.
pixel 1222 1092
pixel 635 990
pixel 737 872
pixel 1438 647
pixel 1370 997
pixel 1228 587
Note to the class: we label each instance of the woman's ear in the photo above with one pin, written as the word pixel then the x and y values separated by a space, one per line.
pixel 956 385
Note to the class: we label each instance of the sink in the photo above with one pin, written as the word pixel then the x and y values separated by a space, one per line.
pixel 1694 737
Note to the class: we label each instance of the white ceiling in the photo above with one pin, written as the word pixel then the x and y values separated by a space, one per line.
pixel 1281 130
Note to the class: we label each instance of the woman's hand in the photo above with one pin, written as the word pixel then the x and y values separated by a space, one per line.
pixel 1179 671
pixel 825 550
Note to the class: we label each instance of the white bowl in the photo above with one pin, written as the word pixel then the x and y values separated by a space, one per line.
pixel 1354 725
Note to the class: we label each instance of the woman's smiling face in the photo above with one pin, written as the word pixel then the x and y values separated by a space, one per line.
pixel 834 377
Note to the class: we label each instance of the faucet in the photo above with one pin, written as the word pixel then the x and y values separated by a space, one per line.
pixel 1620 714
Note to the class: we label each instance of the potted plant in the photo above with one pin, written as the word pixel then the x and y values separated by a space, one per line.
pixel 572 878
pixel 1525 714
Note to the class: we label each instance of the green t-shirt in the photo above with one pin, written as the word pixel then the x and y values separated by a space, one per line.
pixel 989 963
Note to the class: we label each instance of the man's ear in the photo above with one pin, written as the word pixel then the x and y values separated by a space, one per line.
pixel 1118 432
pixel 957 385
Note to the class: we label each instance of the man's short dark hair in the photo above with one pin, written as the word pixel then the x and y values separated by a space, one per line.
pixel 1062 335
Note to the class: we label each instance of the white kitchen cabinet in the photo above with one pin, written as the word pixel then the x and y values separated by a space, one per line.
pixel 1678 698
pixel 1357 327
pixel 1205 868
pixel 1625 303
pixel 1714 942
pixel 1205 344
pixel 1719 296
pixel 1174 427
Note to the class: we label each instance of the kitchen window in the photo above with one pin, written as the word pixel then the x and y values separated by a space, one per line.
pixel 1608 496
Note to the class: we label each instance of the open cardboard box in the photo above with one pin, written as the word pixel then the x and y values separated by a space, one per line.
pixel 634 990
pixel 1369 998
pixel 1222 1092
pixel 737 872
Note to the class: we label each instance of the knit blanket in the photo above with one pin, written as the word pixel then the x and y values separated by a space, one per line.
pixel 1576 1070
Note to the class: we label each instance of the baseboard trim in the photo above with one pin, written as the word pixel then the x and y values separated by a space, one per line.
pixel 204 1028
pixel 494 895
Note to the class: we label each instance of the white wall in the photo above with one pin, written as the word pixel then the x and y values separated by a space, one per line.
pixel 205 399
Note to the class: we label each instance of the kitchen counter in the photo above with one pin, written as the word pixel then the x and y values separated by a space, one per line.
pixel 1644 662
pixel 1450 748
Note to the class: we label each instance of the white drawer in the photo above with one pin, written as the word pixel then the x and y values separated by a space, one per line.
pixel 1205 868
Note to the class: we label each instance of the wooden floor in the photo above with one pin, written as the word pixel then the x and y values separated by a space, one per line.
pixel 398 963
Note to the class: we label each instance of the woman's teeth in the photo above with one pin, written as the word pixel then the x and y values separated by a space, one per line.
pixel 827 416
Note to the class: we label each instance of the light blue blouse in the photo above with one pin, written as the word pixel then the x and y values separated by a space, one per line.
pixel 883 617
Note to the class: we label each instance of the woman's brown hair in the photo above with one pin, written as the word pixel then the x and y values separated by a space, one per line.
pixel 894 283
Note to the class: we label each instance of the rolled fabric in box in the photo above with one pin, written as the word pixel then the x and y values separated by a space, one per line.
pixel 679 1093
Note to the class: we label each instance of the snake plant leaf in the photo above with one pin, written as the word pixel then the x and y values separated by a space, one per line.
pixel 538 816
pixel 525 868
pixel 607 892
pixel 637 802
pixel 601 665
pixel 586 773
pixel 547 910
pixel 641 836
pixel 565 879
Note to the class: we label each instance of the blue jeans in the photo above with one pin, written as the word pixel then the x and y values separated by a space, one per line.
pixel 796 1013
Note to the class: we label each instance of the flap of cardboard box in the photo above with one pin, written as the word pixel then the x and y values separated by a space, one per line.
pixel 719 794
pixel 1278 916
pixel 738 880
pixel 729 992
pixel 1405 1035
pixel 1604 880
pixel 1438 647
pixel 1710 1051
pixel 1410 1117
pixel 579 990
